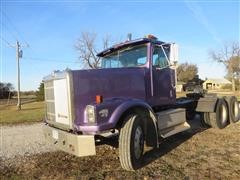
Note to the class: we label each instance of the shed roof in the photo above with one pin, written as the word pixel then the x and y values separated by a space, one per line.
pixel 218 81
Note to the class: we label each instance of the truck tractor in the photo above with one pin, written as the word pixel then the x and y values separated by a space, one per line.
pixel 133 95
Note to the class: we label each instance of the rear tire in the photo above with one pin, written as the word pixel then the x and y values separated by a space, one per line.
pixel 205 119
pixel 233 109
pixel 131 143
pixel 220 119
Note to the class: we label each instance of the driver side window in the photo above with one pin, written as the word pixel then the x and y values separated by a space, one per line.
pixel 159 59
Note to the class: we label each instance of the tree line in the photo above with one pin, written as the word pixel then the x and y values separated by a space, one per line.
pixel 7 91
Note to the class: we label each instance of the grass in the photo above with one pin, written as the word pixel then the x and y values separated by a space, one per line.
pixel 30 112
pixel 219 93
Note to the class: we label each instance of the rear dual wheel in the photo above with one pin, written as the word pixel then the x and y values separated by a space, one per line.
pixel 205 119
pixel 218 119
pixel 233 105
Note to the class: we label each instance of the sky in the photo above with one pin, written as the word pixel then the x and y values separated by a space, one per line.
pixel 51 28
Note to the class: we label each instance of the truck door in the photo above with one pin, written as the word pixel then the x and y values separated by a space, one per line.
pixel 162 77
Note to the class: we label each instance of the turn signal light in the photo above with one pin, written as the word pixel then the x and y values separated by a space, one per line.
pixel 99 99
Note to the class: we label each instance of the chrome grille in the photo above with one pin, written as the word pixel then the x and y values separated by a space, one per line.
pixel 49 94
pixel 49 99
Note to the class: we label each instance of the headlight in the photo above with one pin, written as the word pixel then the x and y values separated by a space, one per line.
pixel 90 112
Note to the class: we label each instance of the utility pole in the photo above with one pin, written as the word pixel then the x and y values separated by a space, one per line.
pixel 18 56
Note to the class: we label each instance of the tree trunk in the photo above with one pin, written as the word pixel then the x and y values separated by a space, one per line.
pixel 239 84
pixel 233 84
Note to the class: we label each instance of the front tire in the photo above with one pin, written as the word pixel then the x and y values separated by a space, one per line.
pixel 131 143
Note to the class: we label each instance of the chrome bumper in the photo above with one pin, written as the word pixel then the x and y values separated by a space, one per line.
pixel 78 145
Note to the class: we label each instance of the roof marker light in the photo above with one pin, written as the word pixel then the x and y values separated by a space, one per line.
pixel 150 36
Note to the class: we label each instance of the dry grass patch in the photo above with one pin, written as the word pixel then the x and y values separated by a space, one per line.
pixel 31 112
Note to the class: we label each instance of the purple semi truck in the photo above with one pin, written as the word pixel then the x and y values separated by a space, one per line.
pixel 133 95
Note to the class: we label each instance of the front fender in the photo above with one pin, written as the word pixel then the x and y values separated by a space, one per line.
pixel 117 107
pixel 150 122
pixel 125 106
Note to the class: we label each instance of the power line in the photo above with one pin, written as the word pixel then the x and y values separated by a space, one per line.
pixel 18 51
pixel 10 31
pixel 49 60
pixel 6 41
pixel 14 27
pixel 7 27
pixel 19 34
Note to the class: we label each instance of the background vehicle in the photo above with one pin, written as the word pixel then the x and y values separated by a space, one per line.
pixel 133 93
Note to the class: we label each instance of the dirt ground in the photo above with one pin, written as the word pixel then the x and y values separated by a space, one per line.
pixel 195 154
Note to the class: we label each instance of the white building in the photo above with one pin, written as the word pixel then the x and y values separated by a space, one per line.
pixel 215 83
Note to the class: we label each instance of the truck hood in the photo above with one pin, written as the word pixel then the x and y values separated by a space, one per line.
pixel 109 83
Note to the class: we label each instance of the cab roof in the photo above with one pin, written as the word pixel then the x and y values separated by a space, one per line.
pixel 127 43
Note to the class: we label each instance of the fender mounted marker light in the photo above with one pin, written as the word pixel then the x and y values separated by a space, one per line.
pixel 99 99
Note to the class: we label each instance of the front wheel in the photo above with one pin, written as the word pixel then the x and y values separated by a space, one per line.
pixel 131 142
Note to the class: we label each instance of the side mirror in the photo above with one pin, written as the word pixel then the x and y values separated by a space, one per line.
pixel 173 57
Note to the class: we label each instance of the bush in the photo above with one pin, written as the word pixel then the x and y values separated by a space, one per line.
pixel 40 92
pixel 6 90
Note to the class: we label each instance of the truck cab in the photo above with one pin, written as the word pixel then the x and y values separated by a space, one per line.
pixel 134 71
pixel 132 93
pixel 153 57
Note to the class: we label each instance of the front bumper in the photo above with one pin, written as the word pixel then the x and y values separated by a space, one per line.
pixel 78 145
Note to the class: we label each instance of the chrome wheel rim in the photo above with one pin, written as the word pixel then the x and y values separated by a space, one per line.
pixel 236 110
pixel 138 142
pixel 223 113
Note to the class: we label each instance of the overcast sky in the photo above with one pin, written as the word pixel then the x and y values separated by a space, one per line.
pixel 51 29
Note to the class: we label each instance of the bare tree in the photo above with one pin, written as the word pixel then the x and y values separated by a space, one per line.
pixel 229 55
pixel 86 47
pixel 186 72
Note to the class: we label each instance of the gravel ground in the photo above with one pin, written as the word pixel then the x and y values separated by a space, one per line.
pixel 22 140
pixel 194 154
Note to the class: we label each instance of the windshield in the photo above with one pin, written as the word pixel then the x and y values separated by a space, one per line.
pixel 132 56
